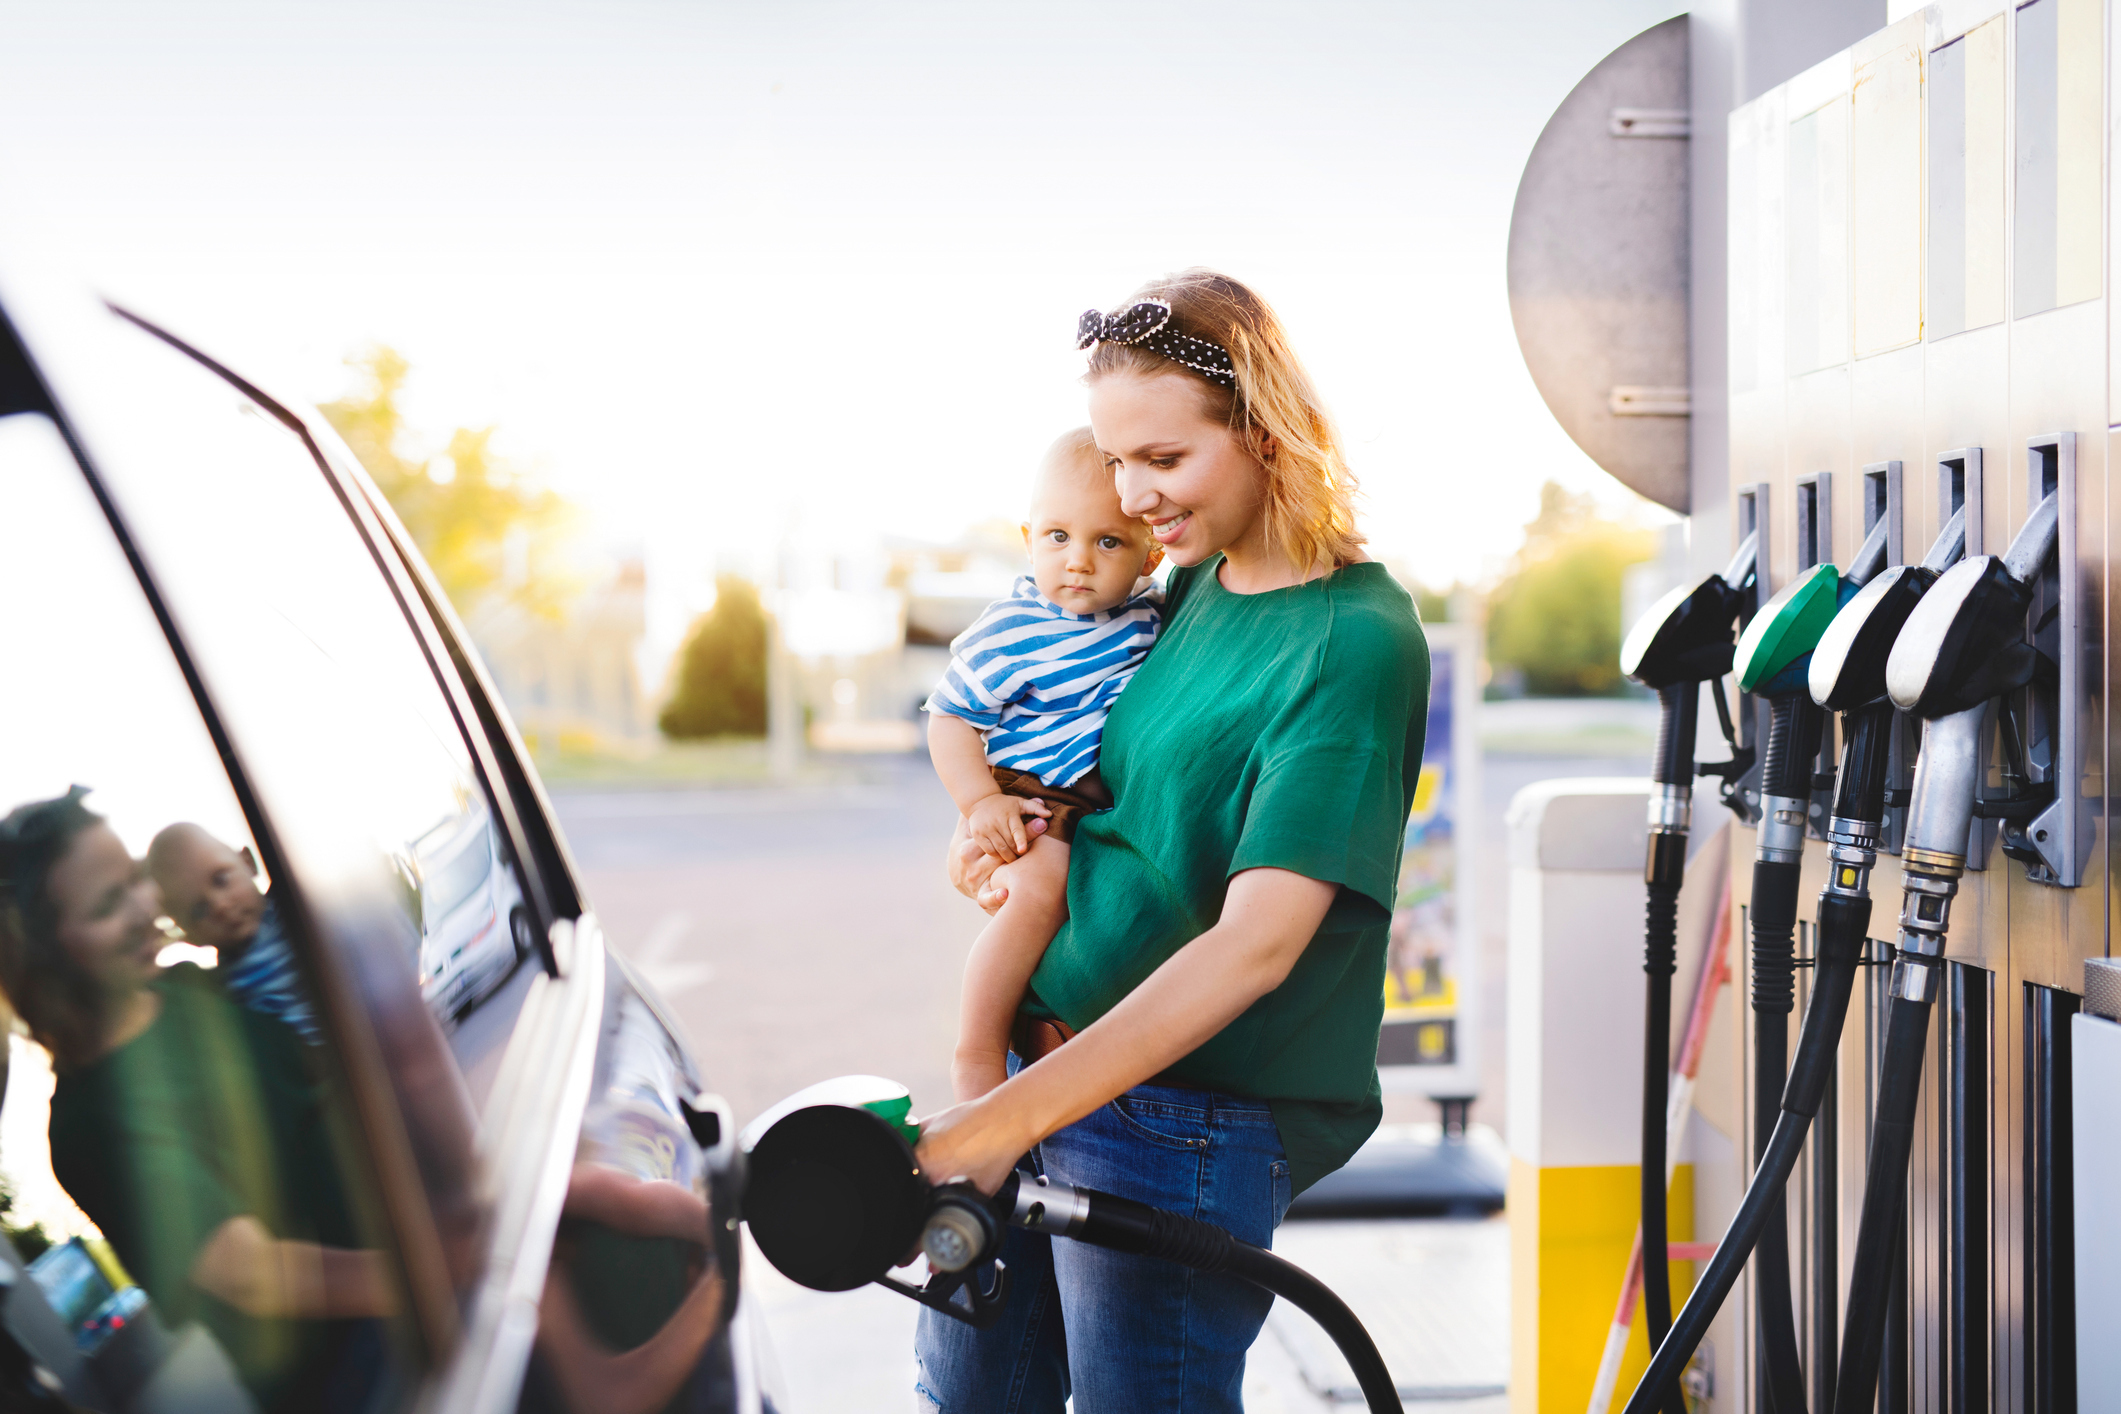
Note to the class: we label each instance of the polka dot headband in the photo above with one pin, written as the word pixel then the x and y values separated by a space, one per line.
pixel 1147 325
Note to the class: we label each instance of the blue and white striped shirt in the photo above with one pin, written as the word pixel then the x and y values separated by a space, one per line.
pixel 265 980
pixel 1038 680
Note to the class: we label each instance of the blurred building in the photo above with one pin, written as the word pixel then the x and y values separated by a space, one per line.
pixel 571 677
pixel 868 634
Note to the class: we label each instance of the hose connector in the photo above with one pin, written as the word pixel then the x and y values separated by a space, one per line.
pixel 1671 809
pixel 1042 1205
pixel 1925 916
pixel 1915 978
pixel 1852 852
pixel 1782 820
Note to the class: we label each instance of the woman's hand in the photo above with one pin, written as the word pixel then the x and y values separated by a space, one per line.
pixel 980 1140
pixel 971 869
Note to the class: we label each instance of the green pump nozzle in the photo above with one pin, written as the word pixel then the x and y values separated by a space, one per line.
pixel 1787 627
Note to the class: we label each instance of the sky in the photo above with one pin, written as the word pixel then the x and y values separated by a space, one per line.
pixel 733 277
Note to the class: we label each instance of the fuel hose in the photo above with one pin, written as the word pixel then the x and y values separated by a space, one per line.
pixel 1664 872
pixel 1107 1220
pixel 1793 741
pixel 1842 924
pixel 836 1199
pixel 1939 815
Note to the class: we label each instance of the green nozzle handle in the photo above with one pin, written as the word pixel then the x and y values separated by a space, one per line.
pixel 1788 626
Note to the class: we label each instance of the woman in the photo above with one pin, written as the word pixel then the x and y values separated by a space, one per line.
pixel 1202 1034
pixel 186 1127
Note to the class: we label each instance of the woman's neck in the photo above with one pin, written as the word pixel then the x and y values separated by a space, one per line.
pixel 1250 567
pixel 129 1018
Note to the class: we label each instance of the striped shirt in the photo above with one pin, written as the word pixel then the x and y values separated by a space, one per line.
pixel 264 980
pixel 1038 680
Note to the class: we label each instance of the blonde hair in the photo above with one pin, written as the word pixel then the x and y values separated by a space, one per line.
pixel 1310 502
pixel 1077 444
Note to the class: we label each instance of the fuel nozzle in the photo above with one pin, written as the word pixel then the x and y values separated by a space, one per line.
pixel 837 1199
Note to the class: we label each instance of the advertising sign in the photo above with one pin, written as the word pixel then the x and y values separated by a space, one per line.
pixel 1431 982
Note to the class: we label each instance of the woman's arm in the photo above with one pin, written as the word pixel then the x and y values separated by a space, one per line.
pixel 261 1275
pixel 1268 918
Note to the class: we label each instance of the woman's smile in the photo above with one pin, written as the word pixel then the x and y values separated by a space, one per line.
pixel 1169 529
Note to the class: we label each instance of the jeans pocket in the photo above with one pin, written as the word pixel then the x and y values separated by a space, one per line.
pixel 1279 1171
pixel 1167 1126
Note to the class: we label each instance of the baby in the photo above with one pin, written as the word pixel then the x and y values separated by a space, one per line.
pixel 211 892
pixel 1014 726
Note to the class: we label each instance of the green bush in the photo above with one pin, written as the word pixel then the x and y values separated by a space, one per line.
pixel 1555 618
pixel 721 670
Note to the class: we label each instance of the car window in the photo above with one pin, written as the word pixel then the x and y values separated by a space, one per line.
pixel 357 760
pixel 182 1178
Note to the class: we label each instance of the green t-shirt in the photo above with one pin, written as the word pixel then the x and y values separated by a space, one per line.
pixel 209 1114
pixel 1278 730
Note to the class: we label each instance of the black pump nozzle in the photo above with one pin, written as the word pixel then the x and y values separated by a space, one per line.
pixel 837 1198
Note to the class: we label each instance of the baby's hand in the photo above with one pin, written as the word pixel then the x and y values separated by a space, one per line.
pixel 997 822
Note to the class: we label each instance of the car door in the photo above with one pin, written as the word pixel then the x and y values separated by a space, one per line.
pixel 310 710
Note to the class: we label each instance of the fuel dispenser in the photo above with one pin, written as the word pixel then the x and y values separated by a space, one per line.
pixel 1835 632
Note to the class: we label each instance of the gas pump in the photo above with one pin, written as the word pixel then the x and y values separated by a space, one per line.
pixel 1684 640
pixel 836 1199
pixel 1844 671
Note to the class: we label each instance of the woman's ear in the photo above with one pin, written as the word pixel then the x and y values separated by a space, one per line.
pixel 1264 444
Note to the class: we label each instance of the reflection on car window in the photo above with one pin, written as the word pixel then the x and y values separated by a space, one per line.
pixel 335 710
pixel 182 1184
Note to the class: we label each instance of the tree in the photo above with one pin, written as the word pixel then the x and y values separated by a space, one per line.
pixel 721 670
pixel 469 512
pixel 1555 618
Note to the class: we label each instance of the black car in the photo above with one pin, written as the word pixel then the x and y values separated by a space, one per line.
pixel 236 718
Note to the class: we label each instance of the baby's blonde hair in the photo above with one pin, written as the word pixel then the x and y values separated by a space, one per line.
pixel 1077 444
pixel 1310 505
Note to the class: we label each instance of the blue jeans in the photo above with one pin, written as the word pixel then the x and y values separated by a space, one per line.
pixel 1125 1334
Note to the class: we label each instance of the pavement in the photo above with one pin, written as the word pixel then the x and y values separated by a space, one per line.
pixel 806 932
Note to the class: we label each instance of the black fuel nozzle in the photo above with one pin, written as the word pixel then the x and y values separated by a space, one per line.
pixel 836 1199
pixel 1965 642
pixel 1689 635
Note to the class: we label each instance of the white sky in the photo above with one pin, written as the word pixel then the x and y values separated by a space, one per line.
pixel 725 272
